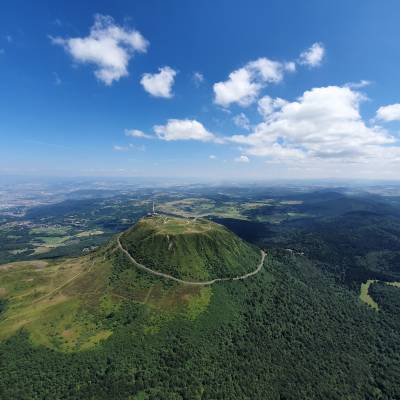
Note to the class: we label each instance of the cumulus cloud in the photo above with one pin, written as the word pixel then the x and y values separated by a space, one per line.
pixel 241 121
pixel 136 133
pixel 244 85
pixel 183 129
pixel 324 123
pixel 242 159
pixel 239 88
pixel 267 105
pixel 159 84
pixel 389 113
pixel 212 157
pixel 108 47
pixel 313 56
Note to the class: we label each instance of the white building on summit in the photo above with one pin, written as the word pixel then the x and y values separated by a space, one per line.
pixel 153 212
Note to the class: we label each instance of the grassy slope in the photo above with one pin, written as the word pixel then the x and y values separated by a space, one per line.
pixel 50 301
pixel 70 305
pixel 187 249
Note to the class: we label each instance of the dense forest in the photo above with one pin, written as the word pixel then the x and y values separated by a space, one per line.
pixel 291 333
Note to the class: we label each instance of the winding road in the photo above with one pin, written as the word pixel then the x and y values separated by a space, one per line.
pixel 194 283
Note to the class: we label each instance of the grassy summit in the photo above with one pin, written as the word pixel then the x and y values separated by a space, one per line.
pixel 189 249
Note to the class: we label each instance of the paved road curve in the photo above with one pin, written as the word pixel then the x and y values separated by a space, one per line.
pixel 204 283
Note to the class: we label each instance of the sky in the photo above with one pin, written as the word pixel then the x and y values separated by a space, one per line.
pixel 254 89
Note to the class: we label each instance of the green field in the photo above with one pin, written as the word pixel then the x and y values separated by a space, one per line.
pixel 365 296
pixel 199 207
pixel 50 231
pixel 42 298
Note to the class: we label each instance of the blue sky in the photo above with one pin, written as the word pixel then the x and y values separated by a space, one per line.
pixel 212 89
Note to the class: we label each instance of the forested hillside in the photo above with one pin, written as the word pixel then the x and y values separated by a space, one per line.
pixel 98 327
pixel 289 333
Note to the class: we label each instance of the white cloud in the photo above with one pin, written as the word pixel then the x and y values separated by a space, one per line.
pixel 136 133
pixel 241 121
pixel 184 129
pixel 108 46
pixel 389 113
pixel 198 78
pixel 244 85
pixel 276 151
pixel 269 71
pixel 239 88
pixel 290 66
pixel 313 56
pixel 212 157
pixel 267 105
pixel 117 147
pixel 359 84
pixel 242 159
pixel 129 147
pixel 159 84
pixel 324 123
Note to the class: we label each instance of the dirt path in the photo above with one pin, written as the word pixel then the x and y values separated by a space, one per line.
pixel 57 289
pixel 148 295
pixel 194 283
